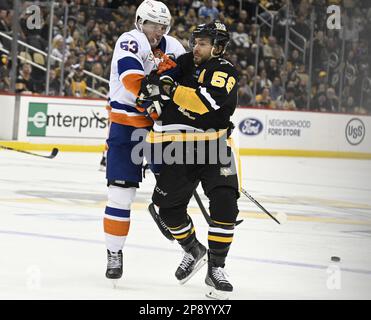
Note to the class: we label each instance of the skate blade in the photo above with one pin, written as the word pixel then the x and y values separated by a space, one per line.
pixel 198 266
pixel 212 293
pixel 114 283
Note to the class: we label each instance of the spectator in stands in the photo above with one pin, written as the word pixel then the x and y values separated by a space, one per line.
pixel 243 18
pixel 351 29
pixel 93 35
pixel 245 94
pixel 319 102
pixel 181 34
pixel 95 83
pixel 102 12
pixel 302 28
pixel 76 86
pixel 294 78
pixel 272 69
pixel 24 82
pixel 191 18
pixel 105 59
pixel 253 33
pixel 208 10
pixel 58 49
pixel 54 83
pixel 295 58
pixel 4 21
pixel 301 95
pixel 231 11
pixel 81 24
pixel 250 73
pixel 268 48
pixel 264 81
pixel 278 54
pixel 91 56
pixel 264 99
pixel 349 105
pixel 332 101
pixel 240 38
pixel 276 90
pixel 4 73
pixel 319 50
pixel 286 101
pixel 82 60
pixel 5 27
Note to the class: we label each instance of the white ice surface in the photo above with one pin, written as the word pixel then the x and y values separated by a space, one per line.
pixel 52 242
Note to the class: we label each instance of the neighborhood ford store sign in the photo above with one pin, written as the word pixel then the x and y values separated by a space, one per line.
pixel 250 126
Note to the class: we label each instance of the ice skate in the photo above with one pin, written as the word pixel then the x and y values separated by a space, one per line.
pixel 219 287
pixel 191 263
pixel 114 266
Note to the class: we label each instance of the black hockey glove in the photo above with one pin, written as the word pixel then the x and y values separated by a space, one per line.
pixel 167 86
pixel 148 87
pixel 230 129
pixel 151 104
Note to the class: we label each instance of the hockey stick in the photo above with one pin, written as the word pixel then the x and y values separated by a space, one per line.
pixel 258 204
pixel 51 156
pixel 237 153
pixel 160 223
pixel 204 211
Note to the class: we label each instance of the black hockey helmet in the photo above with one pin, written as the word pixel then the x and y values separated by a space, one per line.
pixel 216 31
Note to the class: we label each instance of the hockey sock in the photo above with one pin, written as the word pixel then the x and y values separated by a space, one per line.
pixel 117 216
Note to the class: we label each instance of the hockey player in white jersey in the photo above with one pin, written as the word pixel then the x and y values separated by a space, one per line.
pixel 137 53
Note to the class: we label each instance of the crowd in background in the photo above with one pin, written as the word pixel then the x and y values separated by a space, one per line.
pixel 95 25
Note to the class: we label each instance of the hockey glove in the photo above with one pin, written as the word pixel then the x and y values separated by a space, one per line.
pixel 165 64
pixel 148 87
pixel 167 86
pixel 230 129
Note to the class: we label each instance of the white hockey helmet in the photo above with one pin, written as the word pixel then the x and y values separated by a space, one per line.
pixel 154 11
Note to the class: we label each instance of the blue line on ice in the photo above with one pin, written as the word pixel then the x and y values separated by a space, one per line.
pixel 269 261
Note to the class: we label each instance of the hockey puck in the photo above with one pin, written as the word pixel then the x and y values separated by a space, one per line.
pixel 335 259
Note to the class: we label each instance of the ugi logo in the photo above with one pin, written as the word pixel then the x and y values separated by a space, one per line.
pixel 334 19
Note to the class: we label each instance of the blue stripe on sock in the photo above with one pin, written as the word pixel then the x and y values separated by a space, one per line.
pixel 122 213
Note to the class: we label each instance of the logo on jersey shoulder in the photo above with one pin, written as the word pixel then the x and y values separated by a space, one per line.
pixel 251 126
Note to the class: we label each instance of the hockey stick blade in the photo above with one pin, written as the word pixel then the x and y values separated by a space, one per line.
pixel 160 224
pixel 51 156
pixel 258 204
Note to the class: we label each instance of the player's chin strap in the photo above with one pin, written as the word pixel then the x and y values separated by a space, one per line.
pixel 213 55
pixel 236 151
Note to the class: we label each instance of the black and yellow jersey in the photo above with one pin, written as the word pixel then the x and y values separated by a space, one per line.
pixel 204 100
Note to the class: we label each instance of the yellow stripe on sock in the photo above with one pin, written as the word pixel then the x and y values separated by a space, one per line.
pixel 182 236
pixel 225 223
pixel 220 239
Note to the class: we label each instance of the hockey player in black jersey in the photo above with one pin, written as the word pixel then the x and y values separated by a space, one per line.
pixel 202 93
